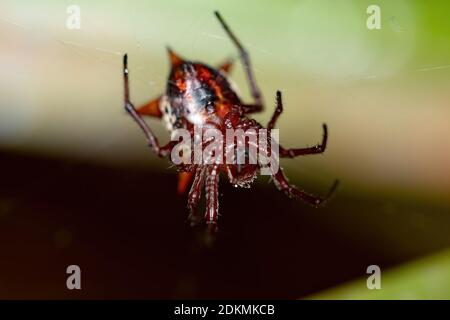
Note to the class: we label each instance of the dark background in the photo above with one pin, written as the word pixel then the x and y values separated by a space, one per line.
pixel 126 229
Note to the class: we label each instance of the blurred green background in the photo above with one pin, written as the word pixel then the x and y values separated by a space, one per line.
pixel 383 93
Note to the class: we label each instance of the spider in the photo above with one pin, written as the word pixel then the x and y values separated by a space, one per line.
pixel 197 91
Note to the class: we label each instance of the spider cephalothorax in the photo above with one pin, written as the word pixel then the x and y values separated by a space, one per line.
pixel 199 100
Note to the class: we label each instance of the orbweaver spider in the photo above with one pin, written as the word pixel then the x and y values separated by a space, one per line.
pixel 196 90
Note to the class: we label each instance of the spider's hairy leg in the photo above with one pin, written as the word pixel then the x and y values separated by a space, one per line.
pixel 318 148
pixel 277 112
pixel 291 191
pixel 212 195
pixel 250 108
pixel 195 194
pixel 295 152
pixel 129 107
pixel 184 179
pixel 245 59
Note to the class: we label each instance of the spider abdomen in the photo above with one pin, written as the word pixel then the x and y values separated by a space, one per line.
pixel 196 94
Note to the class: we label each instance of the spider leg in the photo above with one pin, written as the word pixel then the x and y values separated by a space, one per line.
pixel 195 194
pixel 277 112
pixel 150 108
pixel 291 191
pixel 318 148
pixel 184 179
pixel 250 108
pixel 245 59
pixel 295 152
pixel 129 107
pixel 212 194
